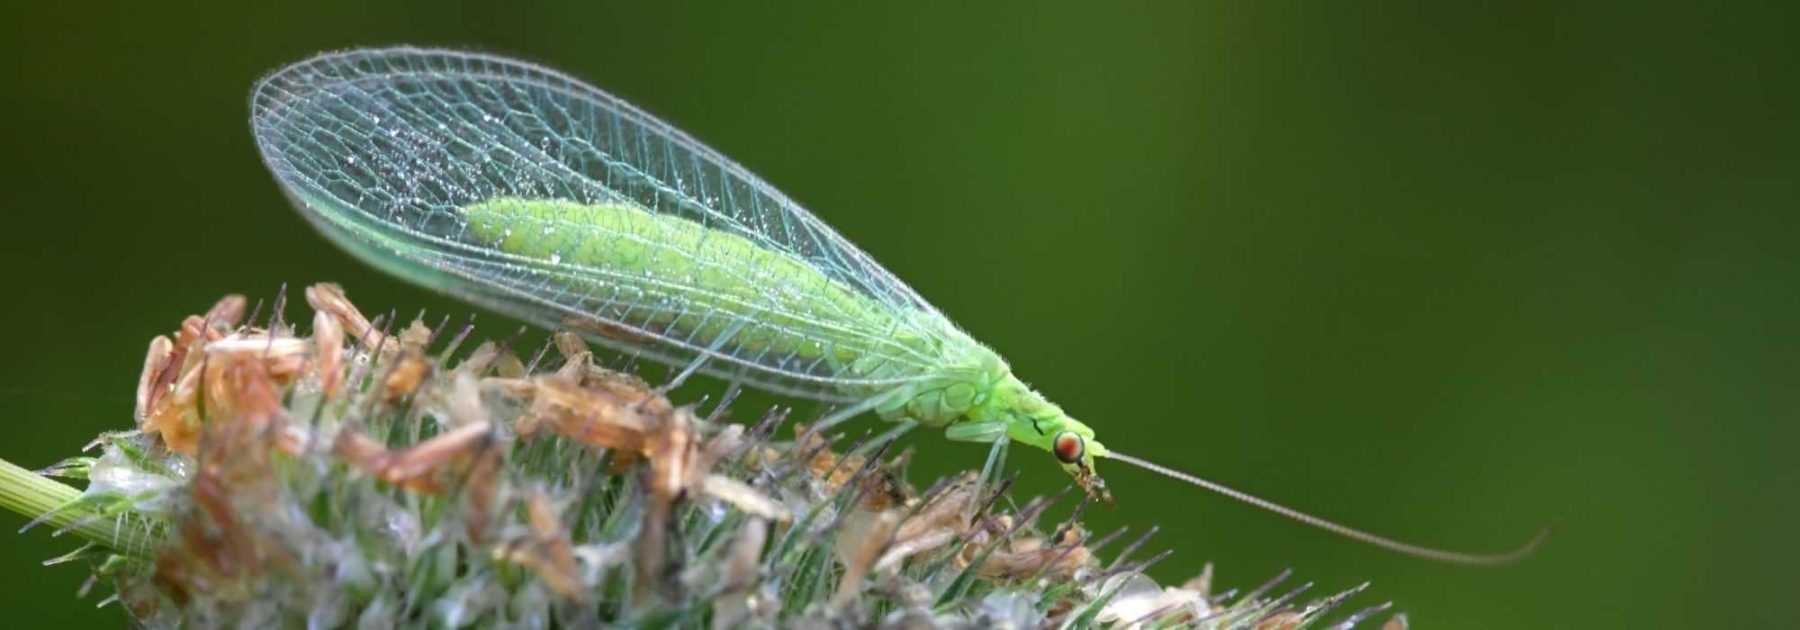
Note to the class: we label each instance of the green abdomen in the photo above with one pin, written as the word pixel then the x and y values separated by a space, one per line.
pixel 671 278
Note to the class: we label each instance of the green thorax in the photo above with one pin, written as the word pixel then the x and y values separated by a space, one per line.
pixel 986 391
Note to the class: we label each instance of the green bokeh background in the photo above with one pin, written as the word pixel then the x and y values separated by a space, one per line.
pixel 1445 273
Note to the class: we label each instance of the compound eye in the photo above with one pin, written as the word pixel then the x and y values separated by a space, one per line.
pixel 1068 447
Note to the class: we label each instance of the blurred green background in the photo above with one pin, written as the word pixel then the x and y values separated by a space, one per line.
pixel 1448 274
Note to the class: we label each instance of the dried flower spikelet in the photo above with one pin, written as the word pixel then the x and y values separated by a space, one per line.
pixel 612 414
pixel 174 371
pixel 328 353
pixel 880 489
pixel 983 540
pixel 675 464
pixel 601 416
pixel 1141 602
pixel 156 414
pixel 482 491
pixel 173 417
pixel 744 497
pixel 420 467
pixel 741 565
pixel 415 337
pixel 282 357
pixel 681 465
pixel 330 299
pixel 461 400
pixel 1032 557
pixel 508 365
pixel 151 382
pixel 484 356
pixel 739 602
pixel 409 365
pixel 468 447
pixel 404 377
pixel 739 494
pixel 579 367
pixel 1202 583
pixel 228 311
pixel 859 544
pixel 569 344
pixel 168 386
pixel 832 469
pixel 547 550
pixel 1136 599
pixel 242 391
pixel 942 519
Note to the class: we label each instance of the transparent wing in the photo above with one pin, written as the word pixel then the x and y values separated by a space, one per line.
pixel 382 149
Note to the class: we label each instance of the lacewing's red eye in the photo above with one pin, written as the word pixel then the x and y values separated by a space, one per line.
pixel 1068 447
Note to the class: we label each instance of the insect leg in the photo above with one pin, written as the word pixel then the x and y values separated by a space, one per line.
pixel 993 432
pixel 983 432
pixel 996 463
pixel 834 418
pixel 899 429
pixel 700 359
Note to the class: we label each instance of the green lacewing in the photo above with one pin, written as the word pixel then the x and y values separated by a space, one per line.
pixel 527 191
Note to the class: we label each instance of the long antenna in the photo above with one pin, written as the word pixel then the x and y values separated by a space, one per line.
pixel 1389 544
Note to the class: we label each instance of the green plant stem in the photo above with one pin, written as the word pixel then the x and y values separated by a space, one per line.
pixel 34 495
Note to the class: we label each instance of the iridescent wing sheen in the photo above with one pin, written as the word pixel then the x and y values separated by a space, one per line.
pixel 382 149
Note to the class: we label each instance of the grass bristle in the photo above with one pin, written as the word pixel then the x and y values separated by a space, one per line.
pixel 367 476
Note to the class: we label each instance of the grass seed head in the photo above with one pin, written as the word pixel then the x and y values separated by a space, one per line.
pixel 361 476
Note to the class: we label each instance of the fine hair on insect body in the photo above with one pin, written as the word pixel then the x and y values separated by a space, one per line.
pixel 524 190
